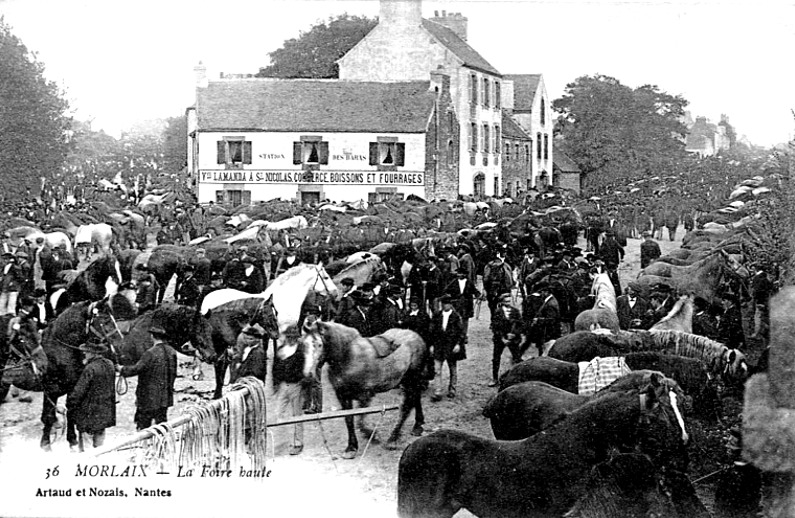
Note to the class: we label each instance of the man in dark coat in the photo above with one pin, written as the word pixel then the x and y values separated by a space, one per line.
pixel 52 266
pixel 542 317
pixel 147 289
pixel 631 308
pixel 156 371
pixel 463 293
pixel 358 316
pixel 189 291
pixel 506 329
pixel 202 267
pixel 254 357
pixel 92 403
pixel 649 250
pixel 447 345
pixel 761 289
pixel 704 323
pixel 251 278
pixel 497 278
pixel 390 312
pixel 611 252
pixel 661 302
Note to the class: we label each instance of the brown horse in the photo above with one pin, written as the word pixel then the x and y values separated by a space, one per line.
pixel 361 367
pixel 542 475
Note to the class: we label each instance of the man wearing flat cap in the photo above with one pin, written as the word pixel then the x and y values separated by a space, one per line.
pixel 390 313
pixel 91 404
pixel 156 371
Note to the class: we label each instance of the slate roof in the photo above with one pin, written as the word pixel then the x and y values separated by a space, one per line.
pixel 315 105
pixel 512 129
pixel 524 90
pixel 459 47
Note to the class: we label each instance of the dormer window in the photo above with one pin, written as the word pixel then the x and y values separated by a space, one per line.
pixel 387 154
pixel 234 152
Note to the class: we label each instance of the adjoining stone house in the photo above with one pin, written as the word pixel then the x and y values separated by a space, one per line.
pixel 566 174
pixel 705 138
pixel 310 140
pixel 517 158
pixel 406 47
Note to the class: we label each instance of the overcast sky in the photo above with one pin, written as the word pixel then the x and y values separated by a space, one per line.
pixel 125 61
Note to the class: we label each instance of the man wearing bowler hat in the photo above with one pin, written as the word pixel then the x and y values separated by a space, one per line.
pixel 156 371
pixel 92 403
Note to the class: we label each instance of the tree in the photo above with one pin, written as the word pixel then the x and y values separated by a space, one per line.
pixel 33 120
pixel 314 53
pixel 175 151
pixel 616 133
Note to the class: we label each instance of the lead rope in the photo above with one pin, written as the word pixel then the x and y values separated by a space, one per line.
pixel 325 445
pixel 372 435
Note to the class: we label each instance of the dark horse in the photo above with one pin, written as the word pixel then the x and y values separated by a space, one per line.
pixel 79 323
pixel 228 320
pixel 526 408
pixel 90 283
pixel 182 324
pixel 361 367
pixel 542 475
pixel 20 341
pixel 165 262
pixel 691 374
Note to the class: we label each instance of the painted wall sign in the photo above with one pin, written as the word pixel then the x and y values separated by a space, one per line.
pixel 323 177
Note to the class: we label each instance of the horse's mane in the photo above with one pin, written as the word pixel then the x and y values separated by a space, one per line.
pixel 340 332
pixel 688 344
pixel 355 266
pixel 287 276
pixel 244 304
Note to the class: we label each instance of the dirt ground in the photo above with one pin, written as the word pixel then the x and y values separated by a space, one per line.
pixel 318 480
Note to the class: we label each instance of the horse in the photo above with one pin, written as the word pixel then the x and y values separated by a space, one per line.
pixel 183 324
pixel 526 408
pixel 729 364
pixel 99 235
pixel 680 318
pixel 164 262
pixel 705 281
pixel 228 320
pixel 542 475
pixel 689 373
pixel 288 291
pixel 31 234
pixel 101 278
pixel 20 341
pixel 361 271
pixel 630 485
pixel 77 324
pixel 604 293
pixel 361 367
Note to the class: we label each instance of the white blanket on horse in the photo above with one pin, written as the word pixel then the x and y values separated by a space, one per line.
pixel 599 373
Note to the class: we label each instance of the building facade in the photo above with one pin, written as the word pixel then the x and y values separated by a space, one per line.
pixel 311 140
pixel 517 158
pixel 528 104
pixel 406 47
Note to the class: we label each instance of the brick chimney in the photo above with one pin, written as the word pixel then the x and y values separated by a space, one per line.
pixel 200 72
pixel 407 13
pixel 453 21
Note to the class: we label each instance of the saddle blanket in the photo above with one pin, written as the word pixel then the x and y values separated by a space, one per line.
pixel 599 373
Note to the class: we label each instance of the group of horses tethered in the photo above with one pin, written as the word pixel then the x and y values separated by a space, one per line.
pixel 603 411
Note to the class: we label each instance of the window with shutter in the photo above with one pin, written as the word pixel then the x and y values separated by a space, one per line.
pixel 234 152
pixel 387 154
pixel 538 146
pixel 546 147
pixel 221 158
pixel 310 152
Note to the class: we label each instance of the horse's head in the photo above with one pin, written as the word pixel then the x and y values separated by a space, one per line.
pixel 201 336
pixel 310 340
pixel 323 282
pixel 663 432
pixel 24 341
pixel 734 366
pixel 267 317
pixel 734 264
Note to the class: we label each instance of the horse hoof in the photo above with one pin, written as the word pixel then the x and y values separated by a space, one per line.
pixel 46 447
pixel 417 431
pixel 296 449
pixel 391 445
pixel 348 455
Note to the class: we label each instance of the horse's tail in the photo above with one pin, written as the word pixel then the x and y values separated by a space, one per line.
pixel 427 477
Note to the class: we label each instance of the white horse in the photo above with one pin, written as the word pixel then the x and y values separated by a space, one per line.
pixel 99 234
pixel 31 234
pixel 288 289
pixel 604 292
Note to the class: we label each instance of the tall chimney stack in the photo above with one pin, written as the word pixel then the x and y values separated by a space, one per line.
pixel 400 13
pixel 453 21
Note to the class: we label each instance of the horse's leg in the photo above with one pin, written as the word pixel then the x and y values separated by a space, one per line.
pixel 220 373
pixel 71 433
pixel 364 402
pixel 353 443
pixel 410 400
pixel 48 419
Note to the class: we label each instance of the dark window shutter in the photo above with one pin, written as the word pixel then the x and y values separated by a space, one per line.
pixel 247 197
pixel 400 153
pixel 297 148
pixel 373 153
pixel 323 148
pixel 246 152
pixel 221 159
